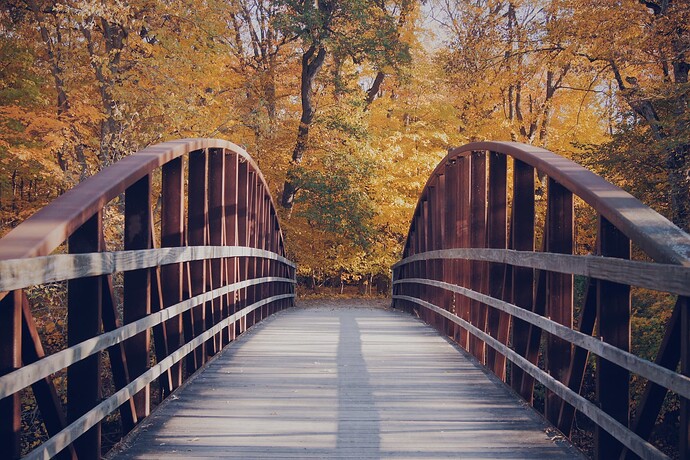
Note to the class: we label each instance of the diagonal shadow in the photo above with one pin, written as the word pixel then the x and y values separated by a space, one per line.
pixel 358 418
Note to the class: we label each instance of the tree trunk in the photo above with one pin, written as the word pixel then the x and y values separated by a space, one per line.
pixel 312 61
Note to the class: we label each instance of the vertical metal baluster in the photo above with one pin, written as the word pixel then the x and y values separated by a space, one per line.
pixel 10 360
pixel 172 235
pixel 559 305
pixel 522 239
pixel 197 213
pixel 216 207
pixel 498 322
pixel 613 313
pixel 478 240
pixel 137 285
pixel 84 303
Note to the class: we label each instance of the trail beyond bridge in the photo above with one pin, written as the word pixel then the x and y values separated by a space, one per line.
pixel 195 307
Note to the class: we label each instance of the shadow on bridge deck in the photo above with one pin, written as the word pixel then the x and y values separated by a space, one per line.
pixel 337 381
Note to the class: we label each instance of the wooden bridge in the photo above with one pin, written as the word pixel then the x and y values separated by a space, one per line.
pixel 243 372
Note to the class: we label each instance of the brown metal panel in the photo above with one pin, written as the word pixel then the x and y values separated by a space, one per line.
pixel 522 239
pixel 197 216
pixel 450 236
pixel 172 235
pixel 251 242
pixel 84 297
pixel 559 306
pixel 10 360
pixel 137 285
pixel 216 208
pixel 232 264
pixel 431 236
pixel 497 238
pixel 425 245
pixel 47 398
pixel 443 266
pixel 478 240
pixel 613 313
pixel 684 441
pixel 242 234
pixel 465 185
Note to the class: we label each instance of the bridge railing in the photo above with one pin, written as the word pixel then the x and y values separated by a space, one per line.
pixel 470 268
pixel 196 271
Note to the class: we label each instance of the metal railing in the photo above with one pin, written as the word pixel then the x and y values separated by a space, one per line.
pixel 220 269
pixel 475 274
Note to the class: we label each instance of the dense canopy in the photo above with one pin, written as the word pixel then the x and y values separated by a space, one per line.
pixel 347 105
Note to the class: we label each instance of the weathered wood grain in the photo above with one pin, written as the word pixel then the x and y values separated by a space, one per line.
pixel 21 273
pixel 339 382
pixel 31 373
pixel 674 279
pixel 666 377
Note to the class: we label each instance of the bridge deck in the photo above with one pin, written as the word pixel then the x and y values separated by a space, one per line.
pixel 343 381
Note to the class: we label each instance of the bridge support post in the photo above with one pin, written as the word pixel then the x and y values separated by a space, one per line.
pixel 172 235
pixel 498 322
pixel 559 289
pixel 10 360
pixel 84 303
pixel 522 282
pixel 613 312
pixel 137 285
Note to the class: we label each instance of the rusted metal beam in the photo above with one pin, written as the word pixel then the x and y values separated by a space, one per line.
pixel 84 302
pixel 522 239
pixel 559 288
pixel 137 285
pixel 497 222
pixel 10 360
pixel 172 235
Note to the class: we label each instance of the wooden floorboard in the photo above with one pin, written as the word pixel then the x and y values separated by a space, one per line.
pixel 343 380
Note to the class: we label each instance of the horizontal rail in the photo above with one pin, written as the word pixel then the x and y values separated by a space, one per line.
pixel 21 273
pixel 647 369
pixel 62 439
pixel 29 374
pixel 631 440
pixel 673 279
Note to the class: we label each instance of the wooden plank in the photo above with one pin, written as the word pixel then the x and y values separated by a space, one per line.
pixel 29 374
pixel 371 392
pixel 651 371
pixel 64 267
pixel 601 418
pixel 86 422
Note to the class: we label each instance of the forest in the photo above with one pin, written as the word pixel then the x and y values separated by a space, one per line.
pixel 347 106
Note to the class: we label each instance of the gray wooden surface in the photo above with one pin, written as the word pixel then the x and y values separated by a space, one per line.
pixel 343 380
